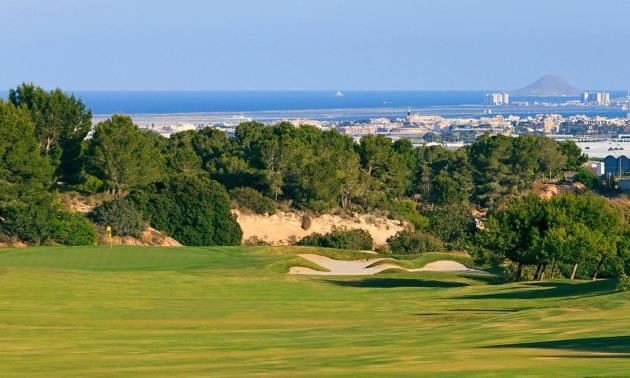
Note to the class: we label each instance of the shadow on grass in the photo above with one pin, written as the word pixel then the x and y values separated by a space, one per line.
pixel 487 310
pixel 396 282
pixel 612 344
pixel 553 289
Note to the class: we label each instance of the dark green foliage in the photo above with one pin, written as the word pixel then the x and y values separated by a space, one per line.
pixel 122 156
pixel 340 239
pixel 408 242
pixel 192 209
pixel 39 223
pixel 23 171
pixel 121 215
pixel 623 282
pixel 454 224
pixel 573 153
pixel 587 178
pixel 406 210
pixel 29 222
pixel 383 163
pixel 568 229
pixel 69 228
pixel 442 176
pixel 250 199
pixel 61 123
pixel 505 167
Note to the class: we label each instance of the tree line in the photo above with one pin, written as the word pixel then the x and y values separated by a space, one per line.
pixel 44 147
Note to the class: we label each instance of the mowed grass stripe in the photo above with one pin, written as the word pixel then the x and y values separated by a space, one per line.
pixel 224 312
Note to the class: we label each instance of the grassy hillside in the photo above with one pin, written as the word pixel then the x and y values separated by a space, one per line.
pixel 150 311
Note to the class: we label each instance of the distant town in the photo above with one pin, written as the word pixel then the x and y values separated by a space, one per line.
pixel 598 135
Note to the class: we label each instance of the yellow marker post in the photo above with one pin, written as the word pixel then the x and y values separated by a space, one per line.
pixel 109 232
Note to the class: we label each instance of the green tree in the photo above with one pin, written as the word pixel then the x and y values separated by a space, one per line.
pixel 573 153
pixel 192 209
pixel 454 224
pixel 24 173
pixel 380 161
pixel 122 156
pixel 61 123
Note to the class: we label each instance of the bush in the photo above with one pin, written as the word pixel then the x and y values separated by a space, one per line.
pixel 69 228
pixel 121 215
pixel 29 223
pixel 406 242
pixel 406 210
pixel 453 224
pixel 42 223
pixel 623 283
pixel 340 239
pixel 254 241
pixel 248 198
pixel 307 222
pixel 587 178
pixel 192 209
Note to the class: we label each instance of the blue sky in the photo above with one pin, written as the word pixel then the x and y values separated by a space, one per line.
pixel 313 44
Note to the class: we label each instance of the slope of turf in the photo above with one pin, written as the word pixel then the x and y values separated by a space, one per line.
pixel 148 311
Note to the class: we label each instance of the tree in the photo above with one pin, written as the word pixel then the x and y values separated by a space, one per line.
pixel 454 224
pixel 121 215
pixel 122 156
pixel 573 153
pixel 441 176
pixel 24 173
pixel 594 224
pixel 380 161
pixel 61 123
pixel 515 232
pixel 192 209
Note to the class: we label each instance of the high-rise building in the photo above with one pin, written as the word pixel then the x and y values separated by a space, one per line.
pixel 597 98
pixel 498 98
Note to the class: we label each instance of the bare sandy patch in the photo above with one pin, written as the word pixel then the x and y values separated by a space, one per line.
pixel 282 227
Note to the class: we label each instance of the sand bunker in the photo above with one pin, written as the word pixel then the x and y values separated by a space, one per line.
pixel 362 267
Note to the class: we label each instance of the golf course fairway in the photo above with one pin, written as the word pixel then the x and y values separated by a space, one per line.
pixel 233 311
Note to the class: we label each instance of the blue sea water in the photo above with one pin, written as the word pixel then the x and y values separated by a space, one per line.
pixel 162 102
pixel 252 101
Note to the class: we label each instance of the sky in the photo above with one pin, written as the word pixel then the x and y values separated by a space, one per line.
pixel 313 44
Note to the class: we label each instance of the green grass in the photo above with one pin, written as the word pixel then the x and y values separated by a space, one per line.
pixel 177 312
pixel 419 261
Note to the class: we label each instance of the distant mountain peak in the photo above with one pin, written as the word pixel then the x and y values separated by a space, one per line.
pixel 548 85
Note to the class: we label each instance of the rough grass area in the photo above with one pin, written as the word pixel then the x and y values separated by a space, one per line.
pixel 190 312
pixel 419 261
pixel 284 266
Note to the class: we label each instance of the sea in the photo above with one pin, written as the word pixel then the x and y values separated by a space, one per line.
pixel 331 105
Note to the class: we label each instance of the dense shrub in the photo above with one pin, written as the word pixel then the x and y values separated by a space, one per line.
pixel 407 242
pixel 340 239
pixel 192 209
pixel 453 224
pixel 623 283
pixel 406 210
pixel 37 224
pixel 69 228
pixel 121 215
pixel 587 178
pixel 251 199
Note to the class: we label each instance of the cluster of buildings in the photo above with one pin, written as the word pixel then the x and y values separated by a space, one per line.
pixel 496 99
pixel 596 98
pixel 414 125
